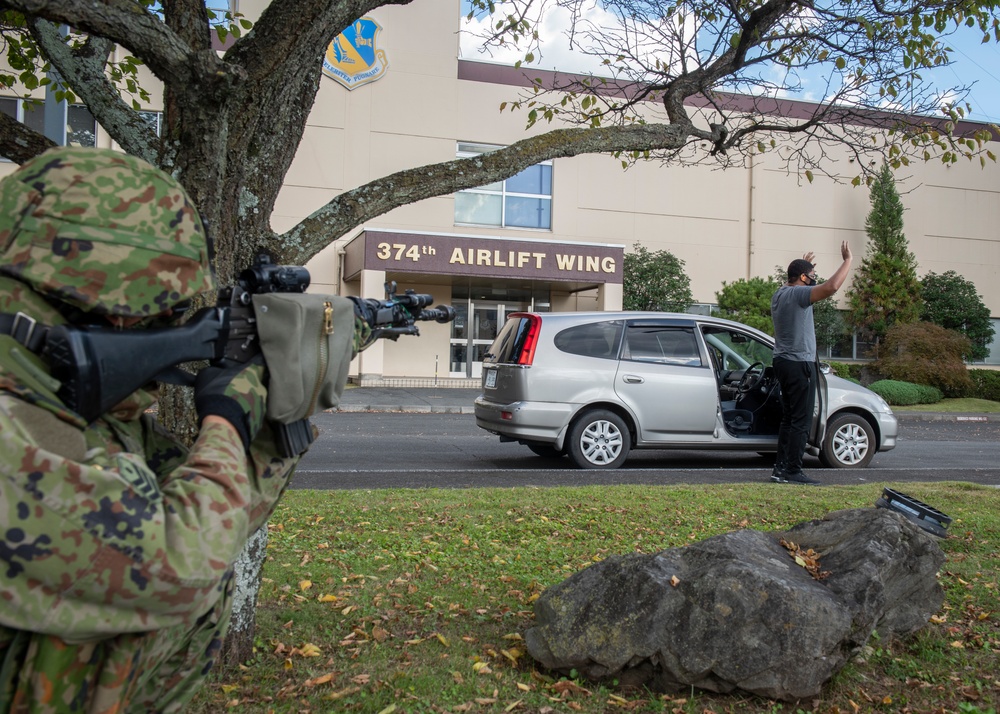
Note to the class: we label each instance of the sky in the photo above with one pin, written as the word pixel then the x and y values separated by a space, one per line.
pixel 973 62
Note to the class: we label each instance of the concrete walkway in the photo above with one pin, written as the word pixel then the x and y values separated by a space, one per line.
pixel 452 400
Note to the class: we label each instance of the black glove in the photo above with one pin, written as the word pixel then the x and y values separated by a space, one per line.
pixel 236 393
pixel 372 311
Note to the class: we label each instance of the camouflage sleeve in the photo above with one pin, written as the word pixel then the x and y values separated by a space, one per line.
pixel 98 545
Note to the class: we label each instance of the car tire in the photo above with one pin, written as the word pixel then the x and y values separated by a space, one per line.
pixel 599 439
pixel 546 450
pixel 849 443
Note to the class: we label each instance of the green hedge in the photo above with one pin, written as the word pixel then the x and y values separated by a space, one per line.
pixel 851 371
pixel 904 394
pixel 985 384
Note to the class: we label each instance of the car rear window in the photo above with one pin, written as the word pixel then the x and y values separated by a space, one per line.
pixel 509 343
pixel 595 339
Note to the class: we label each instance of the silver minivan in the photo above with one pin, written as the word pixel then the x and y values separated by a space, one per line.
pixel 596 385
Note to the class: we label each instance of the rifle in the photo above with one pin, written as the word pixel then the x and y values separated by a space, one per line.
pixel 98 366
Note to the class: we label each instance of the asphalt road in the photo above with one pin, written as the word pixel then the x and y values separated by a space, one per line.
pixel 398 450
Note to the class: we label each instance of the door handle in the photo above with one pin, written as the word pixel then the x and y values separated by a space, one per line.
pixel 633 379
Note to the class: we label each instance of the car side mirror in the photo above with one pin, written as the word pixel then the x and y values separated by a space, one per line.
pixel 825 368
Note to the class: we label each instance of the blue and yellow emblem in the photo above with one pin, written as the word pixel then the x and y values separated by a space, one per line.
pixel 352 58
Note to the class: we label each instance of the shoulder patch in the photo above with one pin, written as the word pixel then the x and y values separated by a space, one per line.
pixel 48 431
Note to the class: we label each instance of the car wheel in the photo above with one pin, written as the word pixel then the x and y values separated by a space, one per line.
pixel 849 443
pixel 546 450
pixel 599 439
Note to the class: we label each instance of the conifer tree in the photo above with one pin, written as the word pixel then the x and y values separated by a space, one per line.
pixel 885 290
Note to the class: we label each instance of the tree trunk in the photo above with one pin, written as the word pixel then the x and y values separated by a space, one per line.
pixel 238 645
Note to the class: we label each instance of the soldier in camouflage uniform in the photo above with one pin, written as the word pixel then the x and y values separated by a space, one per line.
pixel 116 543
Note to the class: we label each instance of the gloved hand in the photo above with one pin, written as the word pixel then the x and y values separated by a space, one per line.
pixel 368 316
pixel 369 309
pixel 236 393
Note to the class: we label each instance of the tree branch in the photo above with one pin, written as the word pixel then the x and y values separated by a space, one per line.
pixel 19 142
pixel 132 26
pixel 361 204
pixel 84 71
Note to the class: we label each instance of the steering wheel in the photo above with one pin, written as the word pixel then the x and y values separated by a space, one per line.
pixel 750 378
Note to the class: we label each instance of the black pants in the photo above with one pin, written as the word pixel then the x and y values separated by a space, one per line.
pixel 798 397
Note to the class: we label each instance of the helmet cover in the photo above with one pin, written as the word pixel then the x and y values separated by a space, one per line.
pixel 103 231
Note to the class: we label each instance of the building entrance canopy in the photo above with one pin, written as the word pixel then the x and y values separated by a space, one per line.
pixel 483 256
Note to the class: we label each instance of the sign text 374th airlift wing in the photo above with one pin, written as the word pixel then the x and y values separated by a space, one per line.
pixel 353 58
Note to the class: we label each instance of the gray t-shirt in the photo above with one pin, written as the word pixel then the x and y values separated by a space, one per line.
pixel 794 330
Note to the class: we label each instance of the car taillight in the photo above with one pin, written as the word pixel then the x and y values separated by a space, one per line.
pixel 530 340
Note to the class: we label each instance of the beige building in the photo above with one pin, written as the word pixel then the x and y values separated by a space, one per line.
pixel 553 237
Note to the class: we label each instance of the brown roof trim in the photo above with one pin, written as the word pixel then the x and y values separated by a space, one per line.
pixel 494 73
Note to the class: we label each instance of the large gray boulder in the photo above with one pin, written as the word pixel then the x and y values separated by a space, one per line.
pixel 737 611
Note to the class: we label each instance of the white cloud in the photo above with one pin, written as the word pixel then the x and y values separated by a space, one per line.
pixel 554 43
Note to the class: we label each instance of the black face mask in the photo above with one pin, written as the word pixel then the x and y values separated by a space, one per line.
pixel 810 280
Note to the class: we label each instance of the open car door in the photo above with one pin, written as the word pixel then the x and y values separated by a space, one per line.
pixel 819 413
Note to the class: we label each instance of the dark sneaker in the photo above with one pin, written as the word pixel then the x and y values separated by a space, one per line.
pixel 797 477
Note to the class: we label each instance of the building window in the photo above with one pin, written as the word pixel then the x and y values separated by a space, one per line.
pixel 522 201
pixel 154 119
pixel 81 128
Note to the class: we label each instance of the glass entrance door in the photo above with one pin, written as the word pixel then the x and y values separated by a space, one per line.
pixel 473 331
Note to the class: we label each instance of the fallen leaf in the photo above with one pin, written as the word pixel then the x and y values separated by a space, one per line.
pixel 442 639
pixel 305 584
pixel 327 598
pixel 361 678
pixel 323 679
pixel 524 687
pixel 565 686
pixel 484 701
pixel 389 709
pixel 512 654
pixel 308 650
pixel 512 706
pixel 347 691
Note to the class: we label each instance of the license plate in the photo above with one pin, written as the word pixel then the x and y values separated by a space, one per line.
pixel 491 379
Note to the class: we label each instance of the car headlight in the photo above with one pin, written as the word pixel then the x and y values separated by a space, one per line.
pixel 883 404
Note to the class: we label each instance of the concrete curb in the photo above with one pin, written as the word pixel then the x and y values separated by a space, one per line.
pixel 903 417
pixel 401 409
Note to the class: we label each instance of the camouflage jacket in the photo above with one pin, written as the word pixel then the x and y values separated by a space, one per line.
pixel 114 527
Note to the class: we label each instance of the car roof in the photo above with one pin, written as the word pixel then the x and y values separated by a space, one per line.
pixel 581 317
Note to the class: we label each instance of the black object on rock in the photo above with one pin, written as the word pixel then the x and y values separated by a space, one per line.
pixel 927 517
pixel 739 610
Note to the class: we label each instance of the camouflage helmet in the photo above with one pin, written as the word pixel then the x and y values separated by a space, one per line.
pixel 103 231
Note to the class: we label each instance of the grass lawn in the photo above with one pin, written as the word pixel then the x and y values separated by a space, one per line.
pixel 407 601
pixel 952 406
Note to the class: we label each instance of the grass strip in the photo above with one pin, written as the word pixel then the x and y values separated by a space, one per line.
pixel 407 601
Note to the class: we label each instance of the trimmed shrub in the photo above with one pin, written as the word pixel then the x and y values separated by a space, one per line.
pixel 904 394
pixel 985 384
pixel 925 353
pixel 897 393
pixel 929 395
pixel 850 371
